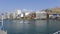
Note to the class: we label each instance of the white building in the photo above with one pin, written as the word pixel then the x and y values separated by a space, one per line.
pixel 6 16
pixel 19 13
pixel 14 15
pixel 27 13
pixel 41 15
pixel 22 15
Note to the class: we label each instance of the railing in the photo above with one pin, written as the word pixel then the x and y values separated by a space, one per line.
pixel 1 27
pixel 1 23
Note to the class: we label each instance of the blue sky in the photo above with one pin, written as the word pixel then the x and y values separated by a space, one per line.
pixel 7 5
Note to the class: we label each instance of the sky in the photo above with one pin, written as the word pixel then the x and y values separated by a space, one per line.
pixel 8 5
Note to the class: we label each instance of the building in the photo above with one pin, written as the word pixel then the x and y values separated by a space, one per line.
pixel 6 16
pixel 41 15
pixel 19 14
pixel 30 15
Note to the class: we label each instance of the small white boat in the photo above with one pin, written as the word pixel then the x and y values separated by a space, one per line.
pixel 58 32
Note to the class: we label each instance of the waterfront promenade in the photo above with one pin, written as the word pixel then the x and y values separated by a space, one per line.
pixel 3 32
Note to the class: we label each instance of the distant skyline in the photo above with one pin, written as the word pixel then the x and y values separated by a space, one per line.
pixel 8 5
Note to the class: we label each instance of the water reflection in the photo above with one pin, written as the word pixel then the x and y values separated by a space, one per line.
pixel 31 26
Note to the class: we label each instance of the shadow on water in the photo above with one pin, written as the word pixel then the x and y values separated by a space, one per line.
pixel 31 26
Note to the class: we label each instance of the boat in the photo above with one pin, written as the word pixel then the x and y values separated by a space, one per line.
pixel 58 32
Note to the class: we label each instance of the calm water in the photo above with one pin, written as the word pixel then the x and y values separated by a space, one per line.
pixel 31 26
